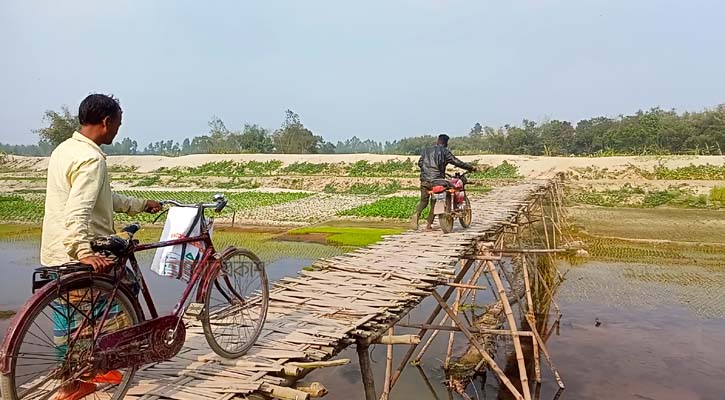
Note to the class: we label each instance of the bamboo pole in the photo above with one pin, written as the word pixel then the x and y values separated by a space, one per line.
pixel 531 317
pixel 490 361
pixel 466 286
pixel 449 350
pixel 315 389
pixel 470 329
pixel 427 382
pixel 321 364
pixel 388 367
pixel 399 339
pixel 366 371
pixel 543 220
pixel 461 274
pixel 542 345
pixel 512 326
pixel 476 274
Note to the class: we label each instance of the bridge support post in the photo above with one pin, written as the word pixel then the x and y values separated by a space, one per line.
pixel 366 370
pixel 459 277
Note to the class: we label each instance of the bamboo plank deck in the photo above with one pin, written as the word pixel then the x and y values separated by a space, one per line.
pixel 316 314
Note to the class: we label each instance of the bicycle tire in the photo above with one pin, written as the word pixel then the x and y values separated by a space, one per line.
pixel 239 302
pixel 8 387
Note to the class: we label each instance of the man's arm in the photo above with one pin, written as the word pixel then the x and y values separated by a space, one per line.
pixel 451 159
pixel 86 180
pixel 128 205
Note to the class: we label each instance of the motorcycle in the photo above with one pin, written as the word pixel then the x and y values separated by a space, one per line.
pixel 451 202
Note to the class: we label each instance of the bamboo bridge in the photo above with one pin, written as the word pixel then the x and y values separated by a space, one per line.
pixel 357 299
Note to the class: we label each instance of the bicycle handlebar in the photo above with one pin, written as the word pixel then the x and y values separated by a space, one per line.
pixel 218 205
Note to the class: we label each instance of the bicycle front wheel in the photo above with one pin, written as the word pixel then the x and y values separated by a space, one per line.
pixel 235 303
pixel 52 356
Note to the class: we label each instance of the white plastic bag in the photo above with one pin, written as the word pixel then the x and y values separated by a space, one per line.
pixel 169 261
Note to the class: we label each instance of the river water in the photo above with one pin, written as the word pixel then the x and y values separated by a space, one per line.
pixel 653 340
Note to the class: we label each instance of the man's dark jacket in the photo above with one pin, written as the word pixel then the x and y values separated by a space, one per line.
pixel 433 163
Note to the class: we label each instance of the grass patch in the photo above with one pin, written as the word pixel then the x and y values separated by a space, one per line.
pixel 397 168
pixel 29 208
pixel 308 168
pixel 717 194
pixel 632 196
pixel 400 207
pixel 352 237
pixel 263 244
pixel 19 232
pixel 226 168
pixel 6 314
pixel 690 172
pixel 505 170
pixel 149 180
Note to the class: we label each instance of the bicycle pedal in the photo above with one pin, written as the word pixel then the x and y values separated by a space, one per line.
pixel 194 310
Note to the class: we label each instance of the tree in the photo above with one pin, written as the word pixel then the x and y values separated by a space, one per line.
pixel 477 130
pixel 61 126
pixel 557 137
pixel 126 146
pixel 255 139
pixel 293 138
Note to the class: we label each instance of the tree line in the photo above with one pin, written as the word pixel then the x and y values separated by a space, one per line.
pixel 655 131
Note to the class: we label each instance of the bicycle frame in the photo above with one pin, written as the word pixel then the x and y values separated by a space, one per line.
pixel 199 275
pixel 205 269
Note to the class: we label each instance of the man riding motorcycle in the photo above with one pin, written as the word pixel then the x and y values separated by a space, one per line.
pixel 432 164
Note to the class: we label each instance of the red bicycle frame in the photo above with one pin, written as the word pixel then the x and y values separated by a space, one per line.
pixel 205 269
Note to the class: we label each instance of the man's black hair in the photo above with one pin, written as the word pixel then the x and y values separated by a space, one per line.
pixel 96 107
pixel 443 139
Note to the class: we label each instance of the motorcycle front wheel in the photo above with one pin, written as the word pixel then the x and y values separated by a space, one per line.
pixel 467 216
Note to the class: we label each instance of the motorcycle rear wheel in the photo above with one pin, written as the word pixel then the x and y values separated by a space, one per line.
pixel 446 222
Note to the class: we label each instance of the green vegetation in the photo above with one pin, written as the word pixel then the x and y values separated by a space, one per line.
pixel 396 168
pixel 4 314
pixel 122 168
pixel 16 208
pixel 690 172
pixel 149 180
pixel 717 194
pixel 308 168
pixel 28 208
pixel 344 236
pixel 19 231
pixel 227 168
pixel 263 244
pixel 505 170
pixel 401 207
pixel 366 188
pixel 633 196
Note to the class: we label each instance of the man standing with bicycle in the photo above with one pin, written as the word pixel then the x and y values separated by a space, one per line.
pixel 79 206
pixel 79 203
pixel 432 163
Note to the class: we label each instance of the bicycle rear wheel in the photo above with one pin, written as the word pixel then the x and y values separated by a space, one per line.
pixel 235 304
pixel 53 349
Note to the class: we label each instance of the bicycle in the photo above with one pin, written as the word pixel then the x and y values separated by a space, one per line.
pixel 84 326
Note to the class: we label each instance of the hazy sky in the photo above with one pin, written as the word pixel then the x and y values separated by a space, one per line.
pixel 375 69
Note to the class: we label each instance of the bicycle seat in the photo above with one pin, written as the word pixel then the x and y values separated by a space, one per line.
pixel 113 244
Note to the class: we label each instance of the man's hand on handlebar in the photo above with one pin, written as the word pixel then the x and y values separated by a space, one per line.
pixel 99 263
pixel 152 206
